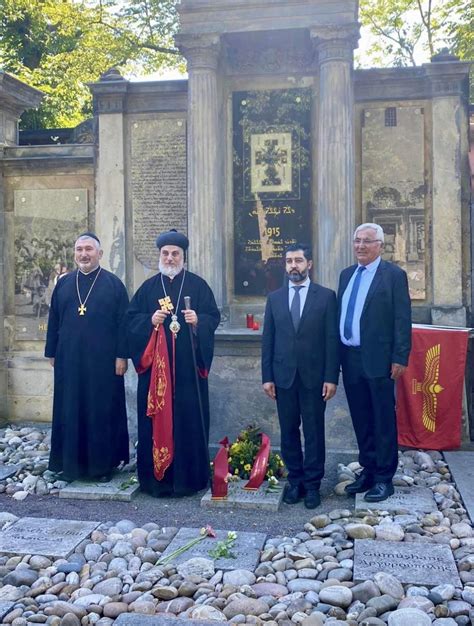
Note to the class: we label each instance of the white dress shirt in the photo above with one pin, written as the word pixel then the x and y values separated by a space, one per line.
pixel 303 293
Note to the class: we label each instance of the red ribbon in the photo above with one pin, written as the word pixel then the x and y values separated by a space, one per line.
pixel 221 470
pixel 259 469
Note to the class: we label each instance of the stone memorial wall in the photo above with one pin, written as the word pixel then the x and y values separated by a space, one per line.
pixel 157 182
pixel 394 185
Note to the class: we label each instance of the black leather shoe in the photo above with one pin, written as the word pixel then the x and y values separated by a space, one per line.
pixel 361 484
pixel 379 492
pixel 312 499
pixel 293 494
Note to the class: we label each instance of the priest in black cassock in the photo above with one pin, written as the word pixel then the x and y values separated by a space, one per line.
pixel 189 469
pixel 86 344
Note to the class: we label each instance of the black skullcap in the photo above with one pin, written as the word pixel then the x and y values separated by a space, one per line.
pixel 172 238
pixel 91 236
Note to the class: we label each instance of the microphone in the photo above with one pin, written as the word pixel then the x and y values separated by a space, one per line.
pixel 187 302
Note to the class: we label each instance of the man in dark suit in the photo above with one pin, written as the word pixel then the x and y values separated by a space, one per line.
pixel 300 369
pixel 375 332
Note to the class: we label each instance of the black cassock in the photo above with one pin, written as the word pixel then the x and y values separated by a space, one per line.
pixel 89 431
pixel 189 471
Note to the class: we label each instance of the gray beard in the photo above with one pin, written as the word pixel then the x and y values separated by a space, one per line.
pixel 171 272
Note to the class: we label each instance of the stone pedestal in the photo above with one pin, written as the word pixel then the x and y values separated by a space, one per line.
pixel 205 219
pixel 3 369
pixel 335 161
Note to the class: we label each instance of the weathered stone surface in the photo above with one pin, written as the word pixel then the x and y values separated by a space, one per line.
pixel 118 488
pixel 46 537
pixel 461 466
pixel 239 498
pixel 130 619
pixel 409 617
pixel 5 607
pixel 246 548
pixel 414 562
pixel 404 499
pixel 9 470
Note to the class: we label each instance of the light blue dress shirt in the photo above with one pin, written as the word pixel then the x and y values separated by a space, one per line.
pixel 303 293
pixel 365 281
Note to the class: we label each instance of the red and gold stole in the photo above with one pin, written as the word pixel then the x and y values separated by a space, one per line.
pixel 160 399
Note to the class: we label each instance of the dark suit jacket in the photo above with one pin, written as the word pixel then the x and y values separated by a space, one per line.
pixel 385 323
pixel 312 351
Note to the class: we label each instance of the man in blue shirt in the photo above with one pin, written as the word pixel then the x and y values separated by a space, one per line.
pixel 375 333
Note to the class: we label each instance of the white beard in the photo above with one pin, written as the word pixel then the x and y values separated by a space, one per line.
pixel 169 271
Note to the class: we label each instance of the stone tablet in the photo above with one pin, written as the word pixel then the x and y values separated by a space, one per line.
pixel 461 466
pixel 246 548
pixel 414 562
pixel 119 488
pixel 409 499
pixel 47 537
pixel 239 498
pixel 9 470
pixel 132 619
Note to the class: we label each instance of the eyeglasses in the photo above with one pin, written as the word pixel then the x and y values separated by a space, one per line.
pixel 366 242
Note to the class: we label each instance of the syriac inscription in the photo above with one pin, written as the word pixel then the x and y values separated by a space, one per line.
pixel 158 182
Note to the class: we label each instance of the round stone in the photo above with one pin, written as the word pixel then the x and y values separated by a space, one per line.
pixel 408 617
pixel 360 531
pixel 336 596
pixel 389 584
pixel 239 577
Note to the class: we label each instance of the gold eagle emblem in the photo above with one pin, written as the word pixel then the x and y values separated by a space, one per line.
pixel 430 387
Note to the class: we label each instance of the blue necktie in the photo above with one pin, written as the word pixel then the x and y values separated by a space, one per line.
pixel 351 304
pixel 295 308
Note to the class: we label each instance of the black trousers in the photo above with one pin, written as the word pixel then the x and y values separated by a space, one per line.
pixel 372 406
pixel 299 405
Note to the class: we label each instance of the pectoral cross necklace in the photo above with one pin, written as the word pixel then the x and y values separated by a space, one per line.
pixel 167 305
pixel 82 308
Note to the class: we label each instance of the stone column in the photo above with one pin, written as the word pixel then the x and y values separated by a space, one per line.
pixel 335 161
pixel 205 215
pixel 110 216
pixel 3 362
pixel 449 162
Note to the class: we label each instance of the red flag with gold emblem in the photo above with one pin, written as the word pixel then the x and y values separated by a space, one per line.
pixel 429 394
pixel 160 400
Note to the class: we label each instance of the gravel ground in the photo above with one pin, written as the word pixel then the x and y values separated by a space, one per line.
pixel 186 511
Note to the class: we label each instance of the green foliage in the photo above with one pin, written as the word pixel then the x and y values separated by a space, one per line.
pixel 405 29
pixel 58 47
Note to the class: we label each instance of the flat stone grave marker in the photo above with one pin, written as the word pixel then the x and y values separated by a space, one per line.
pixel 461 466
pixel 9 470
pixel 131 619
pixel 246 548
pixel 122 487
pixel 48 537
pixel 414 562
pixel 409 499
pixel 239 498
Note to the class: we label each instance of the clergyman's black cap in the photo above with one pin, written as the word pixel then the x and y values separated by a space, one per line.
pixel 90 235
pixel 172 238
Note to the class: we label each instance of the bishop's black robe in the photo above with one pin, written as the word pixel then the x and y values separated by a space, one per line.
pixel 189 471
pixel 89 432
